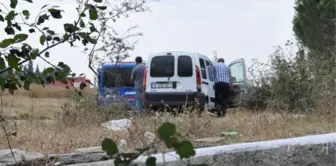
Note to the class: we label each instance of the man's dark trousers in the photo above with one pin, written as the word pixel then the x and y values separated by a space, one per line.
pixel 224 88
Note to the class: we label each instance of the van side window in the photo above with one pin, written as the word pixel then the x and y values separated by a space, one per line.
pixel 162 66
pixel 184 66
pixel 210 70
pixel 203 70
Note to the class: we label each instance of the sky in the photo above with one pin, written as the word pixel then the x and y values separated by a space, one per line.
pixel 235 29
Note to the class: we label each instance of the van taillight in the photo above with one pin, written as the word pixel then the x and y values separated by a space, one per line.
pixel 145 79
pixel 198 78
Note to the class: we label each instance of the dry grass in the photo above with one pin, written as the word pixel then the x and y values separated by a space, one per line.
pixel 49 92
pixel 75 125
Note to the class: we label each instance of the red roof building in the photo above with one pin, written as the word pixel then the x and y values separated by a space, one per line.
pixel 76 81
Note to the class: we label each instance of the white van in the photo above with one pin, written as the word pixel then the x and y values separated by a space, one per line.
pixel 178 78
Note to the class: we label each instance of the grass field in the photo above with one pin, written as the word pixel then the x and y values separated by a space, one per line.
pixel 49 120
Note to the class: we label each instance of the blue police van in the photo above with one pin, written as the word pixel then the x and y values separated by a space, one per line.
pixel 115 85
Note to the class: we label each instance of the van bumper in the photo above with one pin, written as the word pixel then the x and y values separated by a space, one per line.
pixel 174 99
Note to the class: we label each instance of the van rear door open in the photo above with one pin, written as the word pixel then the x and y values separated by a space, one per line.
pixel 170 73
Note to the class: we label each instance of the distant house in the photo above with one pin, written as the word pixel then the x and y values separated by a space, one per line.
pixel 76 81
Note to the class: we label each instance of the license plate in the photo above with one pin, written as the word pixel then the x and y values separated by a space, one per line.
pixel 161 85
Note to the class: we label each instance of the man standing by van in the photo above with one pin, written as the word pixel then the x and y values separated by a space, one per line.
pixel 222 75
pixel 137 78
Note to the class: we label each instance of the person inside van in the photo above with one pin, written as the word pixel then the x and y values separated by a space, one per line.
pixel 223 82
pixel 137 78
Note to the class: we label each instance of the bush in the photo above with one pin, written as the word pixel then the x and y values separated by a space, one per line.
pixel 297 82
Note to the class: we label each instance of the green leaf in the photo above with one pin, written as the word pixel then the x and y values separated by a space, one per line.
pixel 31 30
pixel 23 78
pixel 98 1
pixel 84 42
pixel 166 130
pixel 170 142
pixel 102 7
pixel 5 43
pixel 66 36
pixel 34 53
pixel 118 161
pixel 26 85
pixel 40 20
pixel 109 146
pixel 51 32
pixel 10 16
pixel 48 70
pixel 1 18
pixel 93 14
pixel 82 85
pixel 81 23
pixel 44 6
pixel 93 29
pixel 70 28
pixel 2 63
pixel 55 13
pixel 30 1
pixel 13 61
pixel 82 15
pixel 42 39
pixel 25 13
pixel 13 4
pixel 17 26
pixel 47 54
pixel 50 79
pixel 49 38
pixel 151 161
pixel 87 37
pixel 9 30
pixel 185 149
pixel 20 37
pixel 57 39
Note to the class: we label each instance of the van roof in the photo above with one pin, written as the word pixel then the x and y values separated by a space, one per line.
pixel 177 52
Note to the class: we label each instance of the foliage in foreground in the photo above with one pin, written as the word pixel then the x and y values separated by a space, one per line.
pixel 92 30
pixel 167 134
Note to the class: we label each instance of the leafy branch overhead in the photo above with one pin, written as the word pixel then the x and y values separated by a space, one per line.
pixel 93 20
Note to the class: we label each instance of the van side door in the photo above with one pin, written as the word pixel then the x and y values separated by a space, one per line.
pixel 211 91
pixel 205 80
pixel 238 73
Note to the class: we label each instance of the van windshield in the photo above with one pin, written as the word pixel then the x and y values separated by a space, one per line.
pixel 114 77
pixel 162 66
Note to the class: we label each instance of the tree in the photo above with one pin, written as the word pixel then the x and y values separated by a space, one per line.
pixel 30 68
pixel 92 27
pixel 37 71
pixel 314 24
pixel 93 30
pixel 314 27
